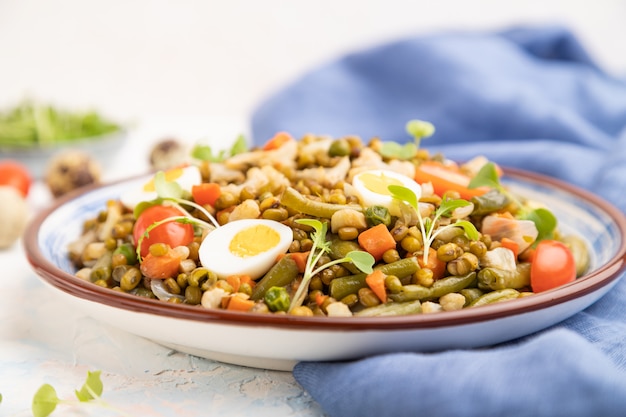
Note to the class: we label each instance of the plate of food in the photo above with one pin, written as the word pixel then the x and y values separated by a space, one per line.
pixel 326 249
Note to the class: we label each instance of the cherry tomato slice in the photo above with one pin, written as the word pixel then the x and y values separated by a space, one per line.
pixel 171 233
pixel 445 178
pixel 15 175
pixel 552 265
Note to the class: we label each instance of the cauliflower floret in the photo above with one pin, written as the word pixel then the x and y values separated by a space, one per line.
pixel 212 298
pixel 431 307
pixel 338 309
pixel 452 301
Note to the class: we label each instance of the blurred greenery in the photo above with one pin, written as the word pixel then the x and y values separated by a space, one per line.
pixel 30 125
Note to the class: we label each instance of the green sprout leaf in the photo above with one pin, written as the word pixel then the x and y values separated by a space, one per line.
pixel 544 220
pixel 468 227
pixel 427 225
pixel 394 150
pixel 404 194
pixel 486 176
pixel 362 260
pixel 45 401
pixel 92 387
pixel 165 188
pixel 240 146
pixel 449 205
pixel 206 153
pixel 419 129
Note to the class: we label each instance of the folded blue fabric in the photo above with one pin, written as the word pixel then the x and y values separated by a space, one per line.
pixel 527 97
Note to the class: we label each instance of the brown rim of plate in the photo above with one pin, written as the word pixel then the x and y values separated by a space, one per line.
pixel 602 276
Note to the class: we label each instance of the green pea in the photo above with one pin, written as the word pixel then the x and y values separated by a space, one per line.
pixel 277 299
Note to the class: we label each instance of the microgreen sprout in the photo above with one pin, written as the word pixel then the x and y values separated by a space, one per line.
pixel 427 225
pixel 206 153
pixel 362 260
pixel 544 219
pixel 419 130
pixel 46 400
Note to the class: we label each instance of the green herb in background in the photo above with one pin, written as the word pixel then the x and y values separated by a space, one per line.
pixel 206 153
pixel 30 125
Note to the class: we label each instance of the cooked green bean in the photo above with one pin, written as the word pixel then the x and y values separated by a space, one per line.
pixel 340 287
pixel 339 248
pixel 471 294
pixel 491 201
pixel 295 201
pixel 498 279
pixel 281 274
pixel 391 309
pixel 495 297
pixel 439 288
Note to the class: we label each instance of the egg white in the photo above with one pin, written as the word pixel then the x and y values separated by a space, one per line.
pixel 216 256
pixel 370 198
pixel 188 177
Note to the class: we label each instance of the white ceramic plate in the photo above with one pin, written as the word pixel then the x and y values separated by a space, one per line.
pixel 279 341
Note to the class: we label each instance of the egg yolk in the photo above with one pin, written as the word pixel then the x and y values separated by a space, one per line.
pixel 253 241
pixel 170 175
pixel 378 183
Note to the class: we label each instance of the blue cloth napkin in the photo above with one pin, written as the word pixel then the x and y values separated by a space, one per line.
pixel 531 98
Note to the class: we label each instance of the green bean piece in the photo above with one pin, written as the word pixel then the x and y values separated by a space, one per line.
pixel 277 299
pixel 341 287
pixel 580 251
pixel 492 200
pixel 375 215
pixel 499 279
pixel 281 274
pixel 292 199
pixel 103 268
pixel 439 288
pixel 391 309
pixel 339 249
pixel 471 294
pixel 129 252
pixel 495 297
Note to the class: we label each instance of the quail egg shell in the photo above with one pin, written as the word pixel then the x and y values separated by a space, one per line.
pixel 372 188
pixel 186 177
pixel 245 247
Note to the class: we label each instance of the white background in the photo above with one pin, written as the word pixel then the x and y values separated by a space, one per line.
pixel 220 58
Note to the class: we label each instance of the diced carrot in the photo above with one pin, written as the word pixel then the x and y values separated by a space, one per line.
pixel 300 258
pixel 206 193
pixel 376 282
pixel 433 263
pixel 376 241
pixel 246 279
pixel 446 178
pixel 238 303
pixel 234 281
pixel 320 298
pixel 528 255
pixel 277 141
pixel 160 267
pixel 511 245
